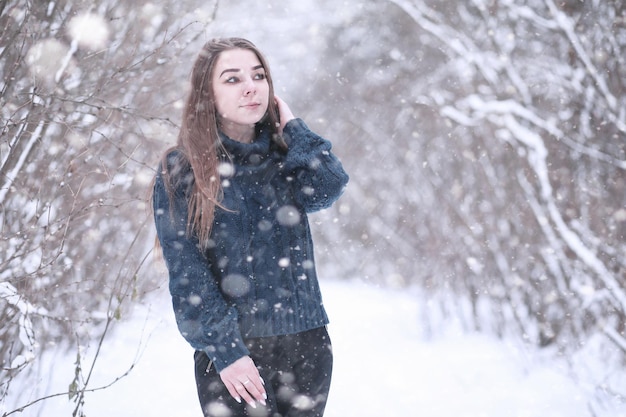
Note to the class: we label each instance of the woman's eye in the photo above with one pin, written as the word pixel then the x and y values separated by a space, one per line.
pixel 259 76
pixel 232 80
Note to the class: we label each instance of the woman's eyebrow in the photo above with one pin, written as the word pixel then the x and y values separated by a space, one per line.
pixel 256 67
pixel 229 70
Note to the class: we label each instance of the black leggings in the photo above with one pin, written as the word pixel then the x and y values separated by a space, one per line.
pixel 296 369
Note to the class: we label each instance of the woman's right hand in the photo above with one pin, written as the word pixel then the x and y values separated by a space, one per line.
pixel 284 113
pixel 243 381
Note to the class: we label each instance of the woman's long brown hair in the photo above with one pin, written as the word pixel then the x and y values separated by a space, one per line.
pixel 198 139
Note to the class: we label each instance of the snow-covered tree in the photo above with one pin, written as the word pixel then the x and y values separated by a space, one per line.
pixel 86 96
pixel 487 145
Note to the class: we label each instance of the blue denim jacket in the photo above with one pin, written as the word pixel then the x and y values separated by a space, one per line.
pixel 257 278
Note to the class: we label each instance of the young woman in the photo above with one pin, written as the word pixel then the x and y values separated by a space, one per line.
pixel 230 206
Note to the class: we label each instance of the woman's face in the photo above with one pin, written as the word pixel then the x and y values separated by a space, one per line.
pixel 241 91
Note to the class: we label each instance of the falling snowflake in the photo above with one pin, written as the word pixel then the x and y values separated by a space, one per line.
pixel 45 59
pixel 288 216
pixel 89 31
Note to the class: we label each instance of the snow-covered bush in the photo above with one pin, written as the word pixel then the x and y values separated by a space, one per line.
pixel 486 141
pixel 86 95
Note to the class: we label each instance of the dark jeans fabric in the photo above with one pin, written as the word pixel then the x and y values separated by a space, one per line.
pixel 296 369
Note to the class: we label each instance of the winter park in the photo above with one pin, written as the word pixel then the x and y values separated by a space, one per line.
pixel 474 266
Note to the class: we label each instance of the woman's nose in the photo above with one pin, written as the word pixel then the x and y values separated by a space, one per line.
pixel 249 87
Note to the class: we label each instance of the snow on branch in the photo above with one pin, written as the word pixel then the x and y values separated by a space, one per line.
pixel 537 160
pixel 456 41
pixel 12 175
pixel 479 108
pixel 505 114
pixel 10 294
pixel 567 26
pixel 617 338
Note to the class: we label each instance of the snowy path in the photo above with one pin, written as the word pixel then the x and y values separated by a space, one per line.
pixel 382 367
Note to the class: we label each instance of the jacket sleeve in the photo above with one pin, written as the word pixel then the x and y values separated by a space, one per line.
pixel 203 317
pixel 320 177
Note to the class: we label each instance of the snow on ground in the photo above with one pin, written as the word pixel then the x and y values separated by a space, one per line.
pixel 383 367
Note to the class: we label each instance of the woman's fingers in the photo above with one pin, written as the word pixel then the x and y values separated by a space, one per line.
pixel 243 382
pixel 247 390
pixel 252 390
pixel 284 112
